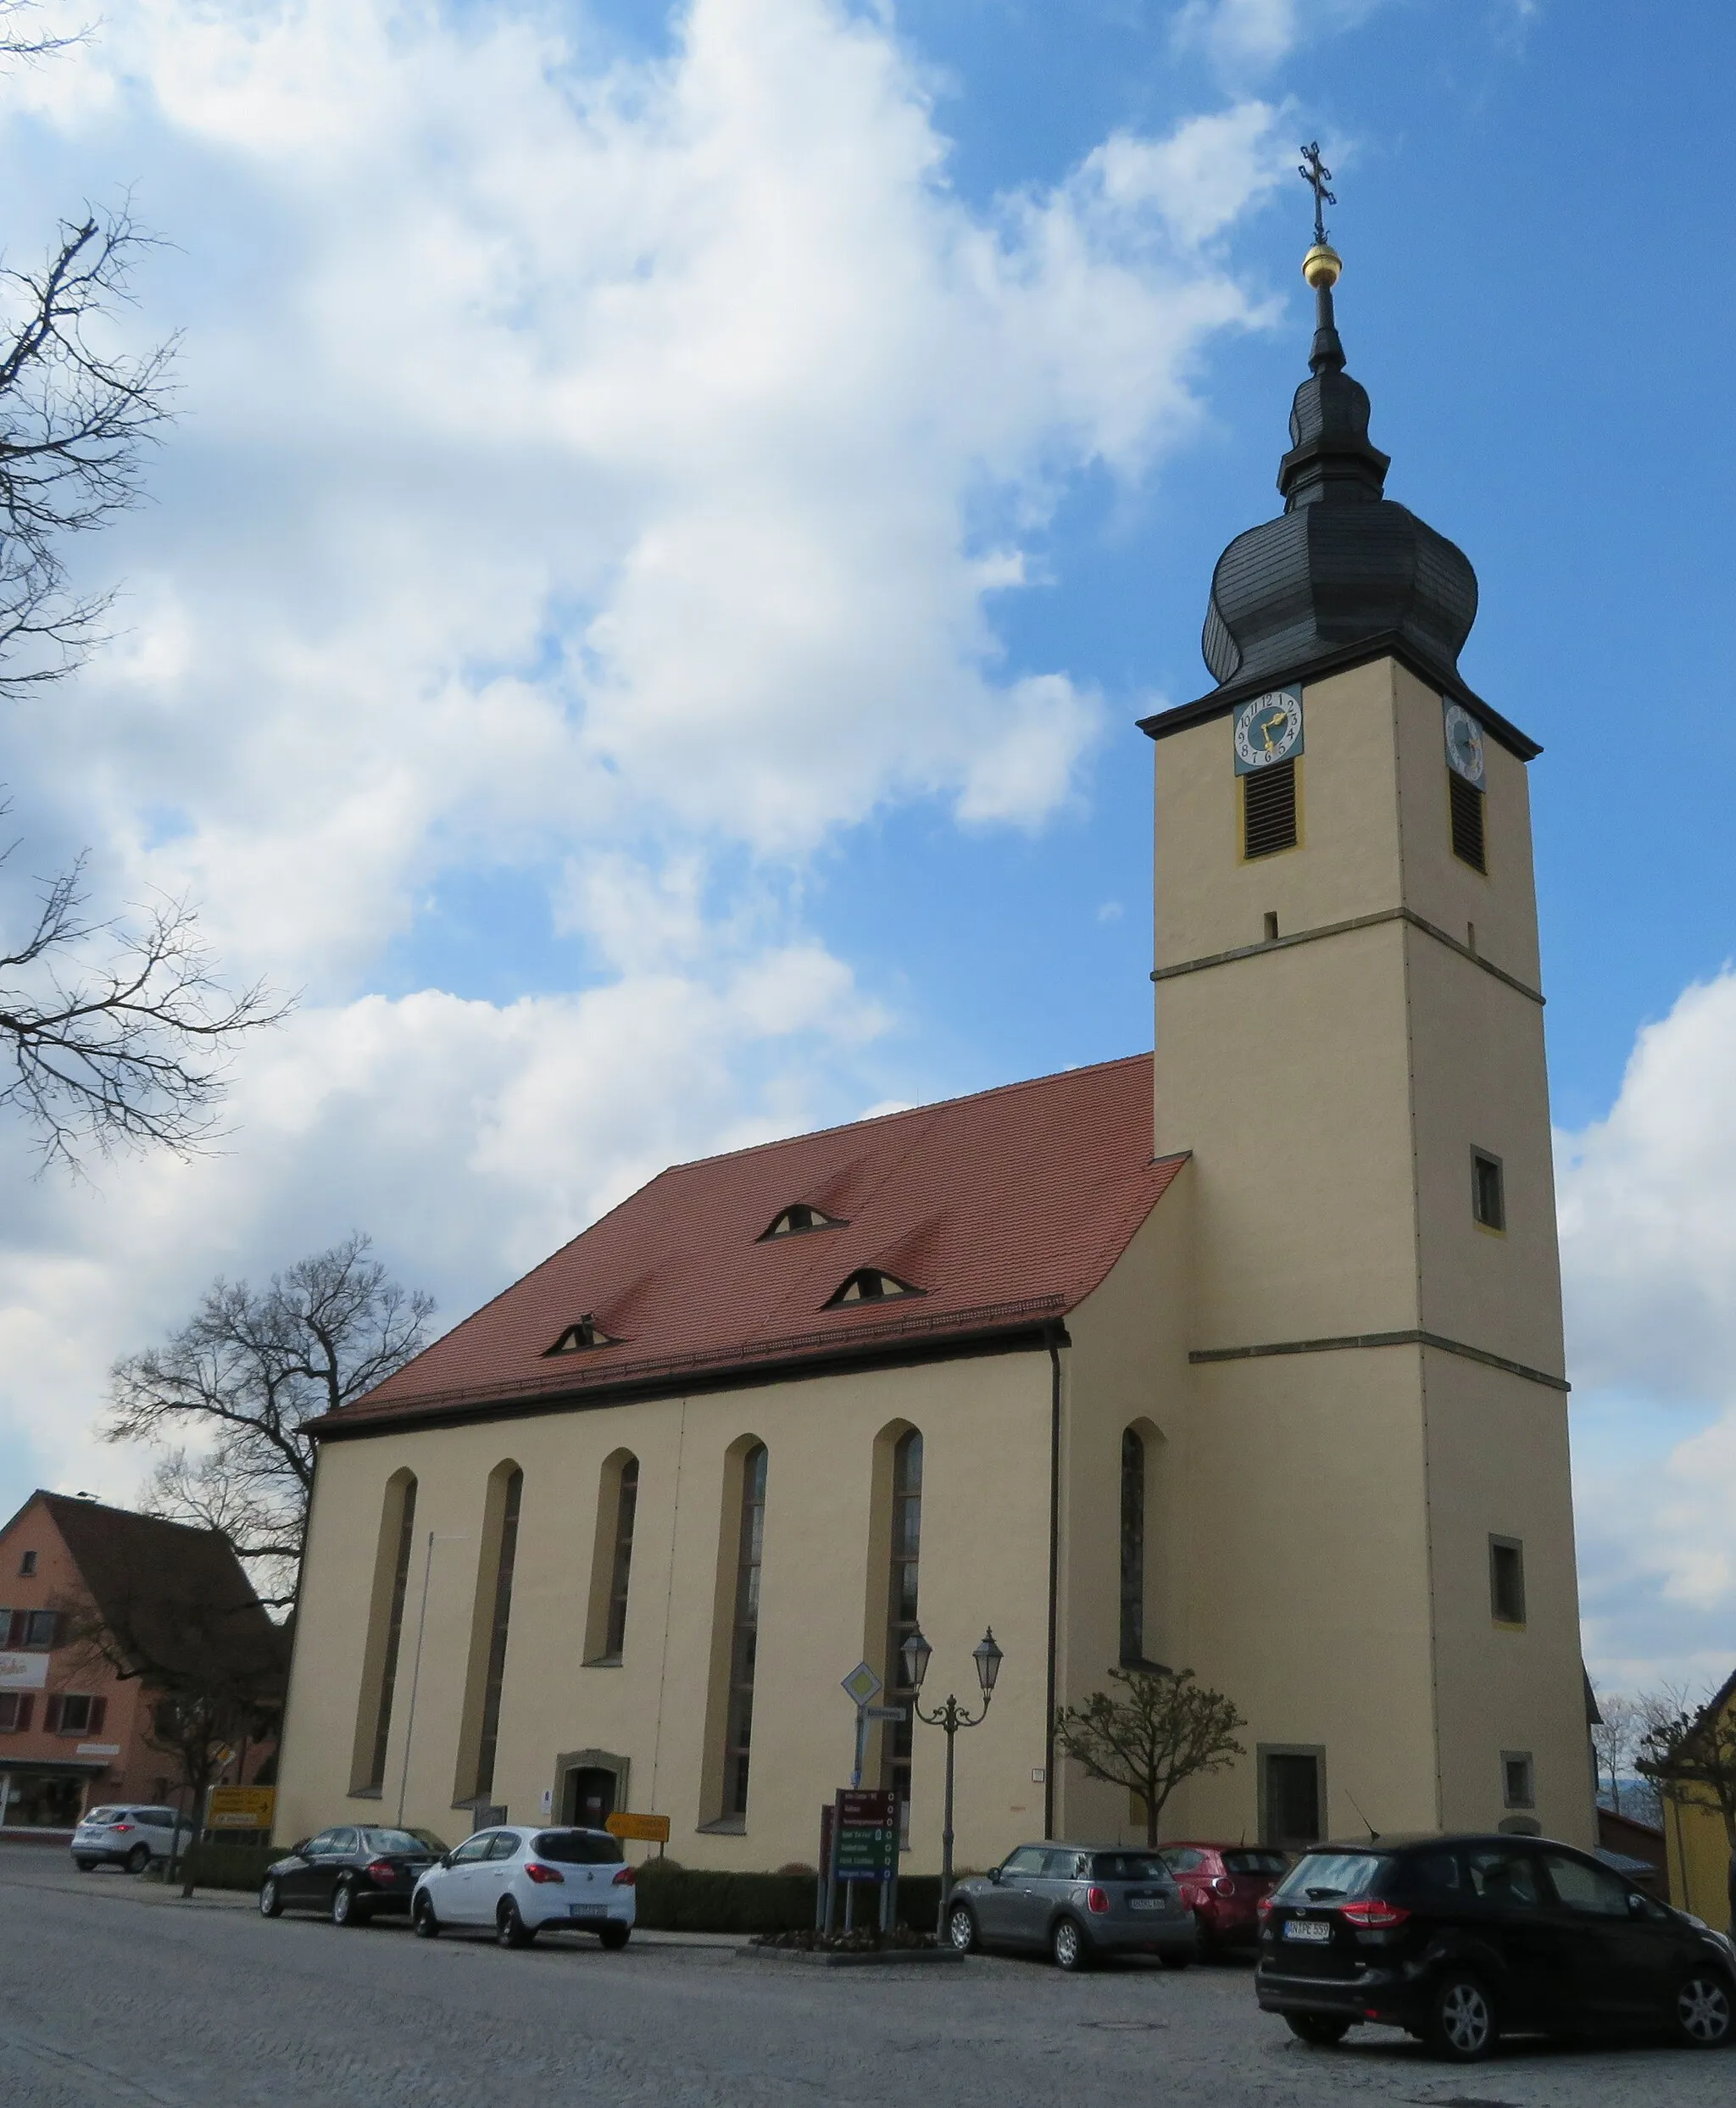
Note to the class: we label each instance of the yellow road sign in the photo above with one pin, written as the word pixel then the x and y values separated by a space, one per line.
pixel 240 1807
pixel 645 1829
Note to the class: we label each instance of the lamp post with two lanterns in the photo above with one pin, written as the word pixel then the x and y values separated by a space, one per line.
pixel 949 1718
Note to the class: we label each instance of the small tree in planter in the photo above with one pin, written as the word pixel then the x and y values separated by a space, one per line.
pixel 1161 1728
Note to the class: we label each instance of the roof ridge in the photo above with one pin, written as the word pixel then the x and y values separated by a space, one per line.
pixel 906 1112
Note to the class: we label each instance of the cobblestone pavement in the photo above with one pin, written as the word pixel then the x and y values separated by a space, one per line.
pixel 109 2002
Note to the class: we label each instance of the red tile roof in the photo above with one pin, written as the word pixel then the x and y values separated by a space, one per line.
pixel 1006 1208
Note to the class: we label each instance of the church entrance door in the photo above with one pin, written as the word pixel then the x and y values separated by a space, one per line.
pixel 590 1798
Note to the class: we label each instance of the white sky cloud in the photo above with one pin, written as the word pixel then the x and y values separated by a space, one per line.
pixel 1649 1260
pixel 600 472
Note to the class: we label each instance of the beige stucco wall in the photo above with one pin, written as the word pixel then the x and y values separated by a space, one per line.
pixel 986 1429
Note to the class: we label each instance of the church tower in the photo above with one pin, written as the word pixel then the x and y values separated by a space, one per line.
pixel 1349 1041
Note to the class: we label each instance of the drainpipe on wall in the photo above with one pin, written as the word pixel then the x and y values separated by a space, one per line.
pixel 1054 1336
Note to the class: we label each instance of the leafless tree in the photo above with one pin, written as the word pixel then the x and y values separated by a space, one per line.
pixel 213 1667
pixel 244 1378
pixel 1615 1740
pixel 115 1030
pixel 1163 1729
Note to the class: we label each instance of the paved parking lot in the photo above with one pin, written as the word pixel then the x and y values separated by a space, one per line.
pixel 116 1995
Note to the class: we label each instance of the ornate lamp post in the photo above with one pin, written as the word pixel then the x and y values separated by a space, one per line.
pixel 949 1718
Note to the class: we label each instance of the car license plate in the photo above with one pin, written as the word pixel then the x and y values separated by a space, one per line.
pixel 586 1909
pixel 1310 1928
pixel 1145 1902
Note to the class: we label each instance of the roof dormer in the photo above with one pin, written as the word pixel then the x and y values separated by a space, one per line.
pixel 870 1284
pixel 586 1333
pixel 800 1217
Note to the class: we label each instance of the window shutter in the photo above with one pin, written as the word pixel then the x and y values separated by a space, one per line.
pixel 1467 803
pixel 1269 810
pixel 99 1706
pixel 51 1714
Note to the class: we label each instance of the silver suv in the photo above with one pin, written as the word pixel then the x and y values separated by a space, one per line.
pixel 130 1836
pixel 1075 1902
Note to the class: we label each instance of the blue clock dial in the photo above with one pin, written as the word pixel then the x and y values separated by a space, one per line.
pixel 1464 743
pixel 1267 729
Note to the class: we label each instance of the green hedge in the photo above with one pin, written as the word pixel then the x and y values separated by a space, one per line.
pixel 228 1866
pixel 674 1898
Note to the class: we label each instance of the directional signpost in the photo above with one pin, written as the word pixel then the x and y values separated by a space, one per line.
pixel 864 1831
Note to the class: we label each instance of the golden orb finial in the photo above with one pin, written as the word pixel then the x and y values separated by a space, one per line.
pixel 1322 266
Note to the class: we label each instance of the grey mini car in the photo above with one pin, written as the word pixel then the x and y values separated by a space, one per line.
pixel 1075 1903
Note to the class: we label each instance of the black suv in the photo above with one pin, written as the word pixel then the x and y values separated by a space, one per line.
pixel 1462 1939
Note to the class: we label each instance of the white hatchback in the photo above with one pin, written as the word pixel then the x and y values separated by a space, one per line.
pixel 520 1882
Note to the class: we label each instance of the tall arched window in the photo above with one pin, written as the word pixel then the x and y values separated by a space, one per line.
pixel 901 1610
pixel 392 1569
pixel 1132 1546
pixel 620 1567
pixel 490 1731
pixel 745 1635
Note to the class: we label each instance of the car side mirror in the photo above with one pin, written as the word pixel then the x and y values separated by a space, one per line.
pixel 446 1859
pixel 994 1876
pixel 299 1847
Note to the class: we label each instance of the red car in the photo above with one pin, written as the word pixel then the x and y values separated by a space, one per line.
pixel 1222 1885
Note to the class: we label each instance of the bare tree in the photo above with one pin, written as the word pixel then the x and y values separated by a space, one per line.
pixel 115 1033
pixel 244 1378
pixel 1164 1729
pixel 1689 1751
pixel 213 1666
pixel 1615 1740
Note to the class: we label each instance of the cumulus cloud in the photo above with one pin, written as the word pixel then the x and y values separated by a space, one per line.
pixel 1243 34
pixel 600 476
pixel 1649 1260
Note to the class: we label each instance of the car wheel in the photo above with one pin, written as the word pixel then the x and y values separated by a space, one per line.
pixel 84 1866
pixel 961 1929
pixel 271 1902
pixel 615 1936
pixel 1462 2020
pixel 1068 1947
pixel 137 1859
pixel 510 1928
pixel 423 1922
pixel 1176 1960
pixel 347 1907
pixel 1703 2010
pixel 1319 2029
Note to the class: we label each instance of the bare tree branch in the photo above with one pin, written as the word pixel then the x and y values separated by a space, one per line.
pixel 1165 1728
pixel 244 1375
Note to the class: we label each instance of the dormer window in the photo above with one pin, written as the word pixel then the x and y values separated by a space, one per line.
pixel 800 1217
pixel 868 1284
pixel 587 1332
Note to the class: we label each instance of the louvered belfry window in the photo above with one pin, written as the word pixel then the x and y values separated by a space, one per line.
pixel 1468 843
pixel 1269 810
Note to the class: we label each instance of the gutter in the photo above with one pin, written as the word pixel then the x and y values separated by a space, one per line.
pixel 1053 1336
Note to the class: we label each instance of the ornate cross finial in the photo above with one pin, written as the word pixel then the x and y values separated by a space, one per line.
pixel 1316 175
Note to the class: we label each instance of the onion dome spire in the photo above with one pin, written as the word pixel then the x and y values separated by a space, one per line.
pixel 1344 573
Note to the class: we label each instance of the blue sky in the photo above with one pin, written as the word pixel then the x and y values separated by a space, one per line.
pixel 673 518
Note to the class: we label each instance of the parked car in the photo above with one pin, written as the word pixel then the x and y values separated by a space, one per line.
pixel 1463 1939
pixel 353 1873
pixel 130 1836
pixel 523 1881
pixel 1222 1884
pixel 1075 1903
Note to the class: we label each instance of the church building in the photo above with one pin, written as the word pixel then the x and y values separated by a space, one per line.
pixel 1244 1356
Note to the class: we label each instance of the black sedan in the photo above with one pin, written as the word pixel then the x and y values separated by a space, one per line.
pixel 1462 1940
pixel 350 1874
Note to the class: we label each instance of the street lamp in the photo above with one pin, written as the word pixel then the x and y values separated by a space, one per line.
pixel 949 1718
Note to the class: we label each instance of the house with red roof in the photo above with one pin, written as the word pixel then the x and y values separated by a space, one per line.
pixel 1242 1355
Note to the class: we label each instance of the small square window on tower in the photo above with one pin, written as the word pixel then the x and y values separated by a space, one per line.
pixel 1506 1580
pixel 1465 801
pixel 1489 1196
pixel 1270 809
pixel 1518 1788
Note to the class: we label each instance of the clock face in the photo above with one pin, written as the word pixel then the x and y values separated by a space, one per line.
pixel 1464 743
pixel 1268 728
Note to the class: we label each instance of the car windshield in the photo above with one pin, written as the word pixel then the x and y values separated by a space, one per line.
pixel 428 1842
pixel 1128 1866
pixel 578 1848
pixel 1329 1876
pixel 1265 1863
pixel 394 1841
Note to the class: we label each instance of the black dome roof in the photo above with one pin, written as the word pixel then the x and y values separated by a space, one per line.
pixel 1343 566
